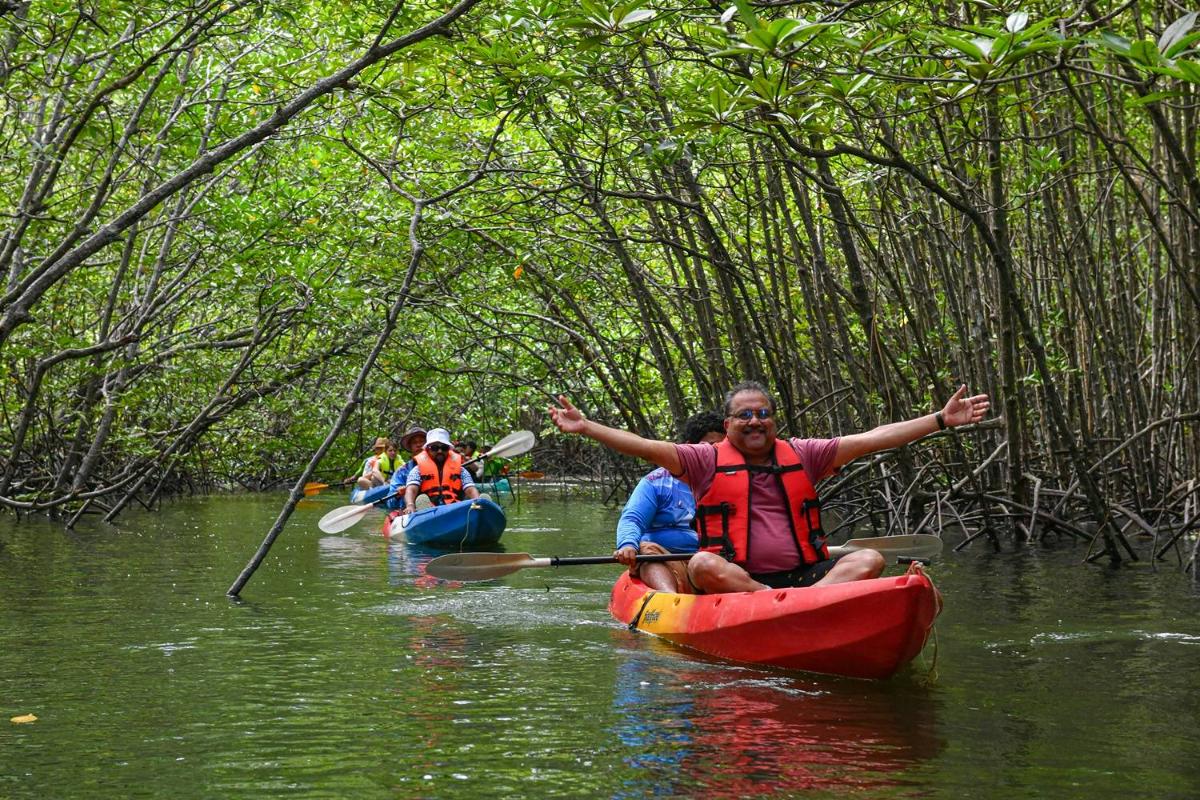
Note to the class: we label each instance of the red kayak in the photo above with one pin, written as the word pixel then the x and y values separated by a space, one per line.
pixel 861 629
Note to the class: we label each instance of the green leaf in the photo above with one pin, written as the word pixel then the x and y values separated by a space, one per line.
pixel 983 30
pixel 785 29
pixel 1118 44
pixel 1182 45
pixel 859 84
pixel 749 19
pixel 1189 70
pixel 720 101
pixel 1036 47
pixel 1154 97
pixel 762 38
pixel 1144 52
pixel 1038 29
pixel 961 45
pixel 735 51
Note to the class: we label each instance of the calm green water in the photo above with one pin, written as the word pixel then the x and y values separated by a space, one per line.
pixel 347 673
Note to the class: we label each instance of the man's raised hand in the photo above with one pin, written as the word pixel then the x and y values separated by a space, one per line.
pixel 567 417
pixel 961 410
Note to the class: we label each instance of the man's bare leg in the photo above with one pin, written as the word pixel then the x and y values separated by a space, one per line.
pixel 714 575
pixel 657 577
pixel 857 566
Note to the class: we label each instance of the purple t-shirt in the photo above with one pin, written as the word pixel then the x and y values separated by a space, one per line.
pixel 774 549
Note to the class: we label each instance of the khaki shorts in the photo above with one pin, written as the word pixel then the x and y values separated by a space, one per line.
pixel 678 568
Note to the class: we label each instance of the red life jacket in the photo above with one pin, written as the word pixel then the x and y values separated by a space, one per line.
pixel 723 514
pixel 445 487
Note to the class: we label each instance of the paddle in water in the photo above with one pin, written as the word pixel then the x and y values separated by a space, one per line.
pixel 345 517
pixel 487 566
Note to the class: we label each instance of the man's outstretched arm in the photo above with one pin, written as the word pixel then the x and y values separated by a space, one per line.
pixel 959 410
pixel 569 420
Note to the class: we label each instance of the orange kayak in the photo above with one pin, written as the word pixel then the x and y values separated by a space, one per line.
pixel 861 629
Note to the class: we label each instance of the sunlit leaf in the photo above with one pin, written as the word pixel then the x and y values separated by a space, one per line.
pixel 1176 31
pixel 634 17
pixel 24 718
pixel 1016 22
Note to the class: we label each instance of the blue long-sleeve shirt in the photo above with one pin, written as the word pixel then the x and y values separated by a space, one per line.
pixel 397 484
pixel 660 510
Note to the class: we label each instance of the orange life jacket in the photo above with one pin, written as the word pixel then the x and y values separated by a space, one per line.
pixel 445 487
pixel 723 514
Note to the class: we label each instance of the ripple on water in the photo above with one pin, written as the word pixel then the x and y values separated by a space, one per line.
pixel 503 607
pixel 1088 637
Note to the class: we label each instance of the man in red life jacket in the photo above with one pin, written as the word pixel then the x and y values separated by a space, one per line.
pixel 757 513
pixel 439 474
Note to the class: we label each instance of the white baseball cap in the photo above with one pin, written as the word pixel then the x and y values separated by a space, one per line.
pixel 437 436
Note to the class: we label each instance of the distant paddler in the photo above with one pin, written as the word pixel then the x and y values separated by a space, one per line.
pixel 412 441
pixel 439 474
pixel 378 467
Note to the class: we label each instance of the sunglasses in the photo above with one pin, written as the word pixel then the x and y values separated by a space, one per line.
pixel 747 414
pixel 438 448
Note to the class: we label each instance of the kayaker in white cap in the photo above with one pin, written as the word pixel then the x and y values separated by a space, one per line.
pixel 754 486
pixel 439 474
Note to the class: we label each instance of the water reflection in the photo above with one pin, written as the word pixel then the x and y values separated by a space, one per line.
pixel 347 552
pixel 742 732
pixel 407 562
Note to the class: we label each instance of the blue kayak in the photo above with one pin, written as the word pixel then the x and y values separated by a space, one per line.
pixel 457 525
pixel 362 497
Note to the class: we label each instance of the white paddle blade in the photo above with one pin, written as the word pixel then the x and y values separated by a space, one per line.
pixel 420 504
pixel 914 545
pixel 481 566
pixel 512 445
pixel 341 518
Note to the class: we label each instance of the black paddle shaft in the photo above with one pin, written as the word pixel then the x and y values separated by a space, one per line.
pixel 555 561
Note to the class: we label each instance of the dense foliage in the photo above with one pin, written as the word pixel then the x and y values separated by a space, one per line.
pixel 235 229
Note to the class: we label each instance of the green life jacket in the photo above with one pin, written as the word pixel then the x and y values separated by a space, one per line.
pixel 387 464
